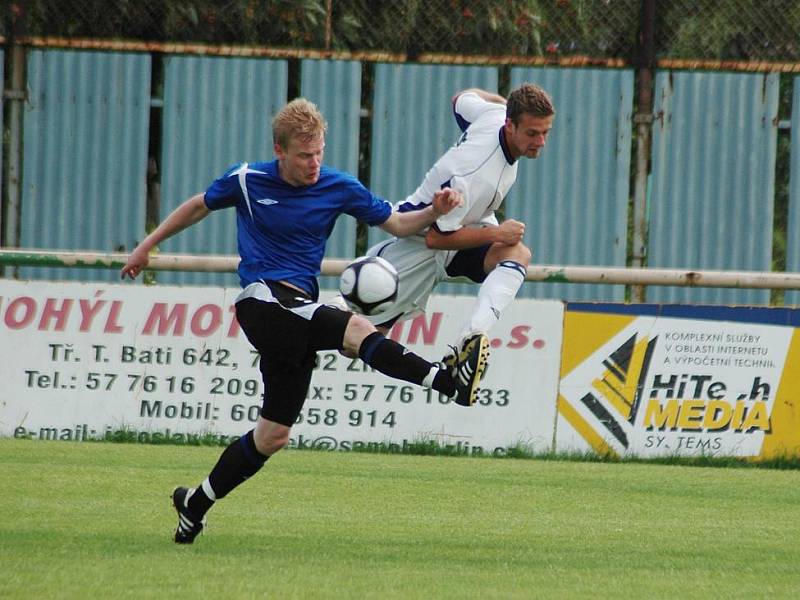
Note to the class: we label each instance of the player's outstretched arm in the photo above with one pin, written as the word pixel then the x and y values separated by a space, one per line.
pixel 483 95
pixel 405 224
pixel 190 212
pixel 509 233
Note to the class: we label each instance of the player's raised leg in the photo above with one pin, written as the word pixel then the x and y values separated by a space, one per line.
pixel 506 268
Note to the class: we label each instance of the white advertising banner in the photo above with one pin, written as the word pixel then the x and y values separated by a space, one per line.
pixel 82 361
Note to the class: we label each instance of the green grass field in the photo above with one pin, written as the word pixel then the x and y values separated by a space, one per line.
pixel 94 520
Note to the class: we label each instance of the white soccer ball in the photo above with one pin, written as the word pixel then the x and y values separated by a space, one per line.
pixel 369 285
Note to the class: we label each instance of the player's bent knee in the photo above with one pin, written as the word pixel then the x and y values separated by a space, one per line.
pixel 522 254
pixel 277 444
pixel 273 443
pixel 357 329
pixel 348 353
pixel 270 437
pixel 519 253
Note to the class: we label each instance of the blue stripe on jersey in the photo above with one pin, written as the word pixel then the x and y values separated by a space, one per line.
pixel 460 121
pixel 411 207
pixel 509 159
pixel 282 229
pixel 404 207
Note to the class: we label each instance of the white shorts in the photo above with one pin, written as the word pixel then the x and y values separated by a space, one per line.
pixel 419 268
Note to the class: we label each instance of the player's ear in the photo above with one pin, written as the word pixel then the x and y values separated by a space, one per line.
pixel 279 152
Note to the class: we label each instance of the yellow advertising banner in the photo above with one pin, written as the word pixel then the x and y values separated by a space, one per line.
pixel 689 381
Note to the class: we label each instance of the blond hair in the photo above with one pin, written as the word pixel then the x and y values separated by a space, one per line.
pixel 298 119
pixel 529 98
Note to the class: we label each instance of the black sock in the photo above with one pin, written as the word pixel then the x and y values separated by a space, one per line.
pixel 199 503
pixel 444 382
pixel 395 360
pixel 238 462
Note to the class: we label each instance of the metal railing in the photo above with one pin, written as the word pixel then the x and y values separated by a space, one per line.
pixel 334 266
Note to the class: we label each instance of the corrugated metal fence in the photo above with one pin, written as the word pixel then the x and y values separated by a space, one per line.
pixel 89 115
pixel 85 154
pixel 574 197
pixel 714 144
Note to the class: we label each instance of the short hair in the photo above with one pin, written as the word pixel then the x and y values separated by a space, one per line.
pixel 300 118
pixel 529 98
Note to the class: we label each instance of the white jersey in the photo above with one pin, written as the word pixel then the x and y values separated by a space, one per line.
pixel 478 166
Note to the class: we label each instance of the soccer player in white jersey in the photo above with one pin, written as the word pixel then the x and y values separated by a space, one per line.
pixel 468 242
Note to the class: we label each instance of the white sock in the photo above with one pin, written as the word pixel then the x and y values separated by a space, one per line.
pixel 497 291
pixel 208 490
pixel 428 381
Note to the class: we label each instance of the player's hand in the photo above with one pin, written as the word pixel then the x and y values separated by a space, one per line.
pixel 510 232
pixel 137 261
pixel 446 200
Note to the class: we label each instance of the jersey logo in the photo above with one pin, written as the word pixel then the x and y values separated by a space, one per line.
pixel 266 201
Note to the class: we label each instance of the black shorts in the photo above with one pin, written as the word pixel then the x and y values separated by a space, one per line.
pixel 469 263
pixel 288 328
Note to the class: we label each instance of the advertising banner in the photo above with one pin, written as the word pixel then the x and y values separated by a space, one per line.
pixel 80 361
pixel 697 381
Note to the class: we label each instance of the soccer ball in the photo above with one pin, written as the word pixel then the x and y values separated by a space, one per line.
pixel 369 285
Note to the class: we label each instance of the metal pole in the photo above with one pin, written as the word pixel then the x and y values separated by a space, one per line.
pixel 334 266
pixel 328 24
pixel 644 121
pixel 15 97
pixel 10 200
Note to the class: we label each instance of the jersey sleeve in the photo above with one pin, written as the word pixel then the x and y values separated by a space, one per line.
pixel 452 220
pixel 468 107
pixel 489 220
pixel 364 205
pixel 224 191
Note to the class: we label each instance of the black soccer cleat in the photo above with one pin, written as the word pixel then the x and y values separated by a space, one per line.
pixel 188 526
pixel 449 360
pixel 469 368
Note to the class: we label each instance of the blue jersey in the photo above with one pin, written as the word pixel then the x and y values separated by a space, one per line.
pixel 282 229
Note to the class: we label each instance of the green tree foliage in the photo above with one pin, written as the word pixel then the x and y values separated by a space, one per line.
pixel 729 29
pixel 733 30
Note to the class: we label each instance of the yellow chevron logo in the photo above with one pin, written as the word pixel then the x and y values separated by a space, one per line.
pixel 615 395
pixel 622 382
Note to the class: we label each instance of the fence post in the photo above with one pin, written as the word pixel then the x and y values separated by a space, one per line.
pixel 643 120
pixel 15 95
pixel 328 24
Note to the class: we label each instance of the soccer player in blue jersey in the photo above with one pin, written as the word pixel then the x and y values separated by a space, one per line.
pixel 286 210
pixel 468 242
